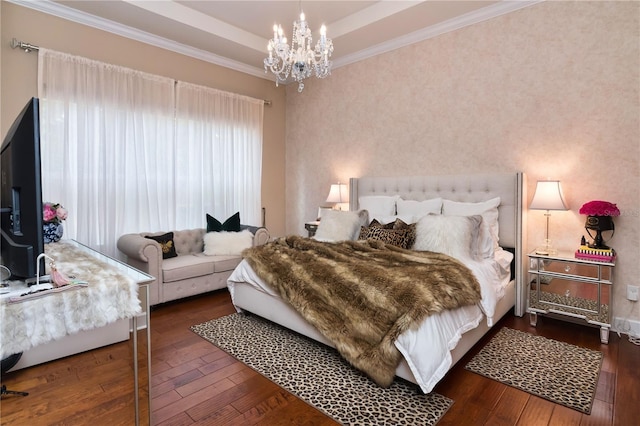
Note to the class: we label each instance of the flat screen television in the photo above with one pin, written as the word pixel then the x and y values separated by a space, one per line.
pixel 21 195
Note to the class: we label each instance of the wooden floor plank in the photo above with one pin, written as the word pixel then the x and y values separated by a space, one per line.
pixel 509 408
pixel 537 412
pixel 565 416
pixel 627 392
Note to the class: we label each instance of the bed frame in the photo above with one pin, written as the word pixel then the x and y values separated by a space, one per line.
pixel 467 188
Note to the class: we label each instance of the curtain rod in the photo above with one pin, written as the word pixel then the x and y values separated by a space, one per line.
pixel 28 47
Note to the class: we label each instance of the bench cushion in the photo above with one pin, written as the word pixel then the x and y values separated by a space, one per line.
pixel 190 266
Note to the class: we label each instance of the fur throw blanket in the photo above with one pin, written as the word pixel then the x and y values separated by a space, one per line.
pixel 111 295
pixel 361 295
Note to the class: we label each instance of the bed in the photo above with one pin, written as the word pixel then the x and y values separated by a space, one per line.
pixel 443 338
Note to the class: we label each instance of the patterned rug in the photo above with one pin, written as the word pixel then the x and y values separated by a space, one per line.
pixel 318 375
pixel 562 373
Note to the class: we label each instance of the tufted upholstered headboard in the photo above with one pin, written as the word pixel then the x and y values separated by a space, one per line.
pixel 467 188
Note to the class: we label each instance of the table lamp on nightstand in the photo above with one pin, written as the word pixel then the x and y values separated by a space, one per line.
pixel 339 195
pixel 548 196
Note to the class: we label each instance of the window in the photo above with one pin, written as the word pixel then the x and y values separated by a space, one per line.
pixel 125 151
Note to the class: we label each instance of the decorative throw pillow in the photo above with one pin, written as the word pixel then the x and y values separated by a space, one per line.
pixel 363 219
pixel 232 224
pixel 166 244
pixel 337 225
pixel 451 235
pixel 403 238
pixel 227 243
pixel 489 231
pixel 376 224
pixel 401 224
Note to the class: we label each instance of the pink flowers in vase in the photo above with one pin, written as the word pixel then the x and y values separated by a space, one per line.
pixel 53 212
pixel 599 208
pixel 599 219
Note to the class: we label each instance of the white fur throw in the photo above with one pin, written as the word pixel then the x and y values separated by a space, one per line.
pixel 110 296
pixel 451 235
pixel 227 243
pixel 339 225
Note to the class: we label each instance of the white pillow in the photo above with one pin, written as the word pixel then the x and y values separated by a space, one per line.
pixel 451 235
pixel 337 225
pixel 378 205
pixel 488 241
pixel 419 208
pixel 227 243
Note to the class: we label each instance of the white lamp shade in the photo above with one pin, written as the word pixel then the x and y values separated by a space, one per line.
pixel 338 193
pixel 548 196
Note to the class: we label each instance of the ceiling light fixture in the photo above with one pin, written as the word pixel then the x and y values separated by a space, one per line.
pixel 299 60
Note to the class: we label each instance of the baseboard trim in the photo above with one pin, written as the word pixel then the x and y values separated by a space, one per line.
pixel 626 326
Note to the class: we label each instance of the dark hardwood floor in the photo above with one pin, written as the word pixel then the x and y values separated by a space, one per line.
pixel 193 382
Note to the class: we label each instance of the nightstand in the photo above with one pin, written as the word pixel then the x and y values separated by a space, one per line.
pixel 312 227
pixel 571 289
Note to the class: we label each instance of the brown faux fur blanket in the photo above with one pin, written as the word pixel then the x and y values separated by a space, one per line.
pixel 362 295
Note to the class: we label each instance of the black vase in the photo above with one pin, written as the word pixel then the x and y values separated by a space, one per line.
pixel 599 224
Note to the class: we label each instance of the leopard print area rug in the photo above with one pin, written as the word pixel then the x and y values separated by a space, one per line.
pixel 317 374
pixel 559 372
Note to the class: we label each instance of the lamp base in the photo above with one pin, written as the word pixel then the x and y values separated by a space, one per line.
pixel 341 206
pixel 546 249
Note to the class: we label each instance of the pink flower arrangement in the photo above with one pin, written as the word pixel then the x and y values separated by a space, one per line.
pixel 53 212
pixel 599 208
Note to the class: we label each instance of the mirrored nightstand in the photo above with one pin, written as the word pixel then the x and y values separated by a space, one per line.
pixel 572 289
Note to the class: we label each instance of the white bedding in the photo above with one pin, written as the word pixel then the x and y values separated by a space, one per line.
pixel 427 349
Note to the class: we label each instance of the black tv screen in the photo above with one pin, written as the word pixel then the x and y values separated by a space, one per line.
pixel 21 194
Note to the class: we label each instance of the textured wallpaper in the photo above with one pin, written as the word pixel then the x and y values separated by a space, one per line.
pixel 551 90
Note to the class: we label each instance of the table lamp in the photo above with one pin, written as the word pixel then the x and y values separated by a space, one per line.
pixel 339 195
pixel 548 196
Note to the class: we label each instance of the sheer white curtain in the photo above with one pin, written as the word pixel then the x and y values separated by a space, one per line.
pixel 219 155
pixel 122 156
pixel 106 143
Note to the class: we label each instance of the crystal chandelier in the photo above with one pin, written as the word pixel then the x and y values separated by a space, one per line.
pixel 299 60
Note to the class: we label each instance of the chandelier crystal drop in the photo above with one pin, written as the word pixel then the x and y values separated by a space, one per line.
pixel 298 61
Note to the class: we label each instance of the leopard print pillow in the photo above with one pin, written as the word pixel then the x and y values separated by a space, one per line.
pixel 375 224
pixel 403 238
pixel 400 224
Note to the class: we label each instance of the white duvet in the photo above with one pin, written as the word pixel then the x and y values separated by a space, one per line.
pixel 427 349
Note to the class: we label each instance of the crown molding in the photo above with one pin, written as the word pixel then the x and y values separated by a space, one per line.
pixel 484 14
pixel 83 18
